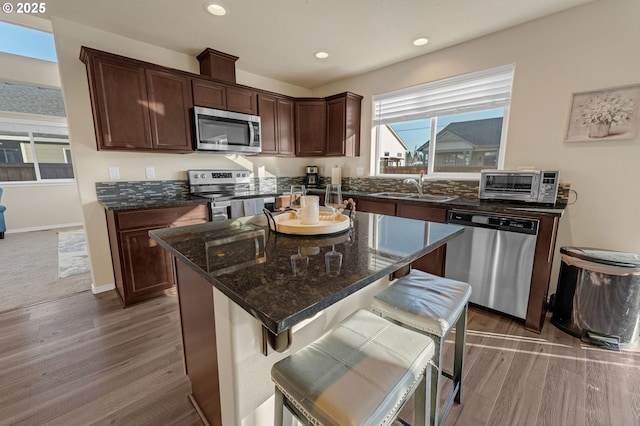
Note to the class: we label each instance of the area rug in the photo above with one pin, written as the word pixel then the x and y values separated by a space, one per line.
pixel 73 258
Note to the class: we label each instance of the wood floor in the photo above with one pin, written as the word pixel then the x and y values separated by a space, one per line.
pixel 83 360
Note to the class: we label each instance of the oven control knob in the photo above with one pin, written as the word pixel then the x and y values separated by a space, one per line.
pixel 203 175
pixel 195 176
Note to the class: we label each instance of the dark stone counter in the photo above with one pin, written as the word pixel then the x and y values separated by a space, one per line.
pixel 150 202
pixel 252 266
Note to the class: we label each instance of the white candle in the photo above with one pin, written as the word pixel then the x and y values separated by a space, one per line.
pixel 336 179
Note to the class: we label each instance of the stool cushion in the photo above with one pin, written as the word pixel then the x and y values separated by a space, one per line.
pixel 423 301
pixel 358 373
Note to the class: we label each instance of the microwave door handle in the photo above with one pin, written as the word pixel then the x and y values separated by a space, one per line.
pixel 252 134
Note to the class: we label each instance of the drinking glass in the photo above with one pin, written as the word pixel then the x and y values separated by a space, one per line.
pixel 333 262
pixel 333 197
pixel 299 264
pixel 295 198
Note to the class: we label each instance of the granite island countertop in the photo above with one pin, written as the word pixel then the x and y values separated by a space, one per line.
pixel 252 266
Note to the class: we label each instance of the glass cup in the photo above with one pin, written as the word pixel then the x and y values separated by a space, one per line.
pixel 333 262
pixel 295 198
pixel 310 212
pixel 333 197
pixel 299 264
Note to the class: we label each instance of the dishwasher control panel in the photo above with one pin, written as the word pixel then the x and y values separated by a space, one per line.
pixel 493 221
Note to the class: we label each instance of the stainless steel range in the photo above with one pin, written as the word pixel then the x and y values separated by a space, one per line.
pixel 229 193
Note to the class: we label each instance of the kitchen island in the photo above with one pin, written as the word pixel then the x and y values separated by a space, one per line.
pixel 240 299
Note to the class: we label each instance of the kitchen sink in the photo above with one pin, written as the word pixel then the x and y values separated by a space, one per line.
pixel 426 197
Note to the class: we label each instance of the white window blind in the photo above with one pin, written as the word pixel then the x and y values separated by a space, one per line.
pixel 479 90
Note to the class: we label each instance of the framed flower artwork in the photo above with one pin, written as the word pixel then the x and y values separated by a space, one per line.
pixel 609 114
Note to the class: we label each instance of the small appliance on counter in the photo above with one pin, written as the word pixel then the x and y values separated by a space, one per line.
pixel 313 179
pixel 530 186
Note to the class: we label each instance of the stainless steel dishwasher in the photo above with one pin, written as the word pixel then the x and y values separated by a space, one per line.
pixel 495 256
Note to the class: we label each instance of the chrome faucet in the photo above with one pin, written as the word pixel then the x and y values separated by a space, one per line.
pixel 419 184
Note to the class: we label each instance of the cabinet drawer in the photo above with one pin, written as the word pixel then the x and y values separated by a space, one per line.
pixel 162 216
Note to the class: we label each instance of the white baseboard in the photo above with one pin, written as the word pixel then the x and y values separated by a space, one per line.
pixel 44 228
pixel 102 288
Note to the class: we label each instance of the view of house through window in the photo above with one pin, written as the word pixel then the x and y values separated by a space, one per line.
pixel 30 156
pixel 450 126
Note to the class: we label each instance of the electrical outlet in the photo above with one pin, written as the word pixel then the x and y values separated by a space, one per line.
pixel 277 172
pixel 359 171
pixel 150 172
pixel 114 172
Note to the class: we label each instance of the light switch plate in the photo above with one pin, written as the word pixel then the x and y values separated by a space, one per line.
pixel 150 172
pixel 114 172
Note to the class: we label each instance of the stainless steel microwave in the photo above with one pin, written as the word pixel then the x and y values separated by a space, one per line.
pixel 531 186
pixel 226 131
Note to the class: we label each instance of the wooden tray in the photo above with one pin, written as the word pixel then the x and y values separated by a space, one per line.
pixel 288 223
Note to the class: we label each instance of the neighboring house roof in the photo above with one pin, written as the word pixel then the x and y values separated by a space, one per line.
pixel 395 135
pixel 478 133
pixel 28 99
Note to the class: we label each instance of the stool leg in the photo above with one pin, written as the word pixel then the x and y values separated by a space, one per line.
pixel 422 407
pixel 435 380
pixel 278 407
pixel 458 361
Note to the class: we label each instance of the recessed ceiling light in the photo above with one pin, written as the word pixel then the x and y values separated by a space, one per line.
pixel 321 55
pixel 420 41
pixel 215 9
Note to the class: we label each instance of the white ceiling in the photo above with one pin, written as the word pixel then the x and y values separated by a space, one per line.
pixel 277 38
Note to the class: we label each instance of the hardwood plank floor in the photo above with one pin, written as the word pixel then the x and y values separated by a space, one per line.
pixel 83 360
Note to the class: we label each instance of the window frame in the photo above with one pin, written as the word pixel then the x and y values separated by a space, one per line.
pixel 431 174
pixel 30 127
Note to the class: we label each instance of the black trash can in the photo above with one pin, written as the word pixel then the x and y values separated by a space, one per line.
pixel 598 297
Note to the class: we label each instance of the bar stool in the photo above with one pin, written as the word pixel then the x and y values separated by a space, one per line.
pixel 431 305
pixel 361 372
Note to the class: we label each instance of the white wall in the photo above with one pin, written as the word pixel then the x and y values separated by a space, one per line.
pixel 586 48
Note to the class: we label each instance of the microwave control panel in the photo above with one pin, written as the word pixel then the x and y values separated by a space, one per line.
pixel 548 187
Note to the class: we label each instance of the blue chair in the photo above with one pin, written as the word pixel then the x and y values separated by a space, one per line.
pixel 3 227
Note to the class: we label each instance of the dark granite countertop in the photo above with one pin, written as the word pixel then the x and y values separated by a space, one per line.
pixel 466 203
pixel 149 202
pixel 252 266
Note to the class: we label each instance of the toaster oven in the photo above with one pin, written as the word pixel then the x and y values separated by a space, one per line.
pixel 531 186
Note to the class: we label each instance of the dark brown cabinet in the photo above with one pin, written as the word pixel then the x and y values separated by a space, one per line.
pixel 209 94
pixel 433 262
pixel 142 269
pixel 311 119
pixel 343 125
pixel 137 106
pixel 169 103
pixel 378 207
pixel 277 119
pixel 242 100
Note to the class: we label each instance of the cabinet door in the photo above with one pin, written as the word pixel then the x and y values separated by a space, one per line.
pixel 433 262
pixel 286 130
pixel 336 122
pixel 209 94
pixel 310 127
pixel 242 100
pixel 169 105
pixel 343 125
pixel 148 268
pixel 267 110
pixel 119 100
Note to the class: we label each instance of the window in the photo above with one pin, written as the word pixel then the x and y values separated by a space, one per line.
pixel 449 127
pixel 34 153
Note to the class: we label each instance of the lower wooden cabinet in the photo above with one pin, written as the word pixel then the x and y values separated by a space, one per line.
pixel 433 262
pixel 142 269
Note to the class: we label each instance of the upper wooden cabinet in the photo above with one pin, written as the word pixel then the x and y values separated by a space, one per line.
pixel 343 125
pixel 311 119
pixel 240 99
pixel 277 116
pixel 135 106
pixel 209 94
pixel 340 116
